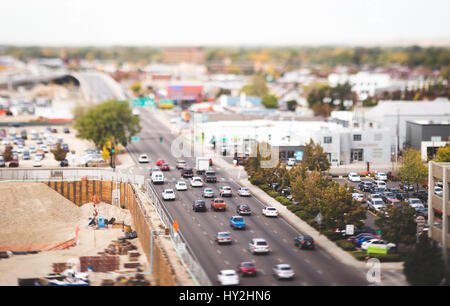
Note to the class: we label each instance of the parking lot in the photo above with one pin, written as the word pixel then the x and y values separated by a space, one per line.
pixel 49 139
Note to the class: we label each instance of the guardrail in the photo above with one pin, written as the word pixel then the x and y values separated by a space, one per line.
pixel 181 246
pixel 68 174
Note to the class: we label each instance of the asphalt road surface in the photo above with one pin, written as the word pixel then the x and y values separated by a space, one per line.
pixel 312 267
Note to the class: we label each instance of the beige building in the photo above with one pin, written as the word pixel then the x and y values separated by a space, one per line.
pixel 183 55
pixel 439 205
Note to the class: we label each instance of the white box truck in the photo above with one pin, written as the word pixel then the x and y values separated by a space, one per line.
pixel 201 164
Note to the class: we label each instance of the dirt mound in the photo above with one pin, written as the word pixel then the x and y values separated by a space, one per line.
pixel 107 211
pixel 34 213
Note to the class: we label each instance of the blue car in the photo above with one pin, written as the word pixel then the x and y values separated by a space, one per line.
pixel 238 222
pixel 364 238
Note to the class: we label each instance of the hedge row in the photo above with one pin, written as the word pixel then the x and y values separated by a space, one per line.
pixel 390 257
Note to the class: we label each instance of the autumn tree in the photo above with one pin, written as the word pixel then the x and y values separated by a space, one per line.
pixel 8 154
pixel 314 158
pixel 413 170
pixel 443 154
pixel 59 153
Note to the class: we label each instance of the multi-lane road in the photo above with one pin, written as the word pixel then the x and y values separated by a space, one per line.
pixel 314 267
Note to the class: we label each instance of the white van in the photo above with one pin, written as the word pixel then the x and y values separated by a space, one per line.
pixel 157 177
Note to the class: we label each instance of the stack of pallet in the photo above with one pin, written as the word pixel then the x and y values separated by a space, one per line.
pixel 99 263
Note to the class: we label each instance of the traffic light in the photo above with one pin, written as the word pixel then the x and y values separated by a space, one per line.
pixel 160 139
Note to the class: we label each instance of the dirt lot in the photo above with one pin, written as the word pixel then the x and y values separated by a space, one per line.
pixel 26 219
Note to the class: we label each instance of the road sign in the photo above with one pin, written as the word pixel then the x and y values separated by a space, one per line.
pixel 135 138
pixel 141 102
pixel 298 155
pixel 420 220
pixel 349 229
pixel 318 218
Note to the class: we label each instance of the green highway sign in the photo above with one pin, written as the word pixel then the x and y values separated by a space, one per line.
pixel 141 102
pixel 135 138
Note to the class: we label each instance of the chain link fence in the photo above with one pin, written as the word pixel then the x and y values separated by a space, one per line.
pixel 181 246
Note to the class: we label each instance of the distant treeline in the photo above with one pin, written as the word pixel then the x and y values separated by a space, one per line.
pixel 288 57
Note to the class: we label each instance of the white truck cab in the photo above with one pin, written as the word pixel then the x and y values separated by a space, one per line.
pixel 157 177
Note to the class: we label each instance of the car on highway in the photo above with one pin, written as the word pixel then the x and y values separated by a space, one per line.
pixel 380 176
pixel 354 177
pixel 165 167
pixel 196 182
pixel 199 205
pixel 210 176
pixel 228 278
pixel 218 204
pixel 270 211
pixel 244 192
pixel 376 204
pixel 157 177
pixel 358 196
pixel 243 209
pixel 143 158
pixel 304 241
pixel 225 191
pixel 181 185
pixel 247 268
pixel 377 243
pixel 224 237
pixel 168 194
pixel 180 164
pixel 238 222
pixel 208 193
pixel 415 203
pixel 160 161
pixel 283 271
pixel 187 172
pixel 365 186
pixel 259 246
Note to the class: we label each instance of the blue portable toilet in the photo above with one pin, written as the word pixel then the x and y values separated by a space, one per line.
pixel 101 221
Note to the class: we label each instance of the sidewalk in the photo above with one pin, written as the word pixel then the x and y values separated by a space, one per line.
pixel 362 167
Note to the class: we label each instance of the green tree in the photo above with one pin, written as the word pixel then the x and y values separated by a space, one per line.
pixel 106 121
pixel 314 158
pixel 257 86
pixel 59 153
pixel 443 154
pixel 270 101
pixel 398 224
pixel 136 87
pixel 424 266
pixel 413 170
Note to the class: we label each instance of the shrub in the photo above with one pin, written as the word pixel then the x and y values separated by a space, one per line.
pixel 294 208
pixel 359 255
pixel 390 257
pixel 345 245
pixel 255 181
pixel 272 193
pixel 283 200
pixel 264 187
pixel 333 235
pixel 302 215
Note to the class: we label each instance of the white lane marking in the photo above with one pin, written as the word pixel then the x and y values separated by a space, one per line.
pixel 252 231
pixel 262 272
pixel 219 252
pixel 284 240
pixel 210 241
pixel 307 260
pixel 244 250
pixel 279 260
pixel 320 272
pixel 304 283
pixel 275 232
pixel 226 262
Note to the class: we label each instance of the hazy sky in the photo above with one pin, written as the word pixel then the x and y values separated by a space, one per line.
pixel 221 22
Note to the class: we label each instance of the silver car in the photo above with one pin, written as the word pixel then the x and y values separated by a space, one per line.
pixel 208 193
pixel 259 245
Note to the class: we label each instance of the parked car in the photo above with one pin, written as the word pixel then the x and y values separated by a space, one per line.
pixel 380 184
pixel 376 204
pixel 259 245
pixel 66 130
pixel 378 243
pixel 438 190
pixel 402 196
pixel 64 163
pixel 406 187
pixel 387 195
pixel 422 211
pixel 304 242
pixel 360 235
pixel 365 186
pixel 360 241
pixel 238 222
pixel 26 155
pixel 228 278
pixel 199 205
pixel 224 237
pixel 283 271
pixel 421 194
pixel 354 177
pixel 358 196
pixel 14 164
pixel 247 268
pixel 380 176
pixel 415 203
pixel 243 209
pixel 37 162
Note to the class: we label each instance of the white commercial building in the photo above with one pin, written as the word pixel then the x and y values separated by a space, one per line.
pixel 343 145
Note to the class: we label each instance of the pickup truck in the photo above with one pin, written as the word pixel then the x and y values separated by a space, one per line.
pixel 218 204
pixel 210 177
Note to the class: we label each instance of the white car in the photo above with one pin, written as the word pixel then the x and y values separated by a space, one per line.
pixel 5 141
pixel 181 185
pixel 37 162
pixel 270 211
pixel 358 196
pixel 376 204
pixel 380 176
pixel 380 184
pixel 43 148
pixel 415 203
pixel 438 191
pixel 354 177
pixel 378 243
pixel 244 192
pixel 291 162
pixel 259 245
pixel 196 182
pixel 226 191
pixel 168 194
pixel 143 158
pixel 283 271
pixel 228 278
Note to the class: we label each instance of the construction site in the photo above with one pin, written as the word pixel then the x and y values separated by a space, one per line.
pixel 87 232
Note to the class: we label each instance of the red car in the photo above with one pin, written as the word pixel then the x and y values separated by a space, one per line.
pixel 165 167
pixel 160 161
pixel 247 268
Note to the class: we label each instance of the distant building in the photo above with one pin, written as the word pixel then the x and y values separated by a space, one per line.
pixel 427 136
pixel 183 55
pixel 243 101
pixel 189 93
